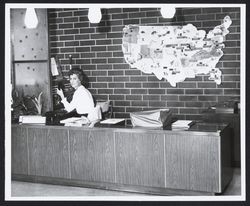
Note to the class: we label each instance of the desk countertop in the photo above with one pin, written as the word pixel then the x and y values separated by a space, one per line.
pixel 197 127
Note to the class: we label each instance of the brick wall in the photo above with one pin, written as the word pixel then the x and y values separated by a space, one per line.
pixel 97 49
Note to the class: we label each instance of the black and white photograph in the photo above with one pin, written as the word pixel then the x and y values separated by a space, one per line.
pixel 128 102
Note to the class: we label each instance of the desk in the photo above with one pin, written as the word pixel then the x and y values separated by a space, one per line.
pixel 234 123
pixel 156 161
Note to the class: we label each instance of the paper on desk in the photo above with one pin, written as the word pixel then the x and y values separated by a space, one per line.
pixel 54 69
pixel 112 121
pixel 70 120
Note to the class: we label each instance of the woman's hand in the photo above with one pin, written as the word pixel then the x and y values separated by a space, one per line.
pixel 60 93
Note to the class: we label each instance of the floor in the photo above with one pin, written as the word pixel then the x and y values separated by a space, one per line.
pixel 25 189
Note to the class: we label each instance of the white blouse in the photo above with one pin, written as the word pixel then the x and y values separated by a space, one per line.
pixel 82 101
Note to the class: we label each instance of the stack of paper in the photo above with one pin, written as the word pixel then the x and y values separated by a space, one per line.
pixel 70 120
pixel 182 124
pixel 75 121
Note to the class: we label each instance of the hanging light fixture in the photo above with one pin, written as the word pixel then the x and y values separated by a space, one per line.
pixel 30 18
pixel 168 11
pixel 95 15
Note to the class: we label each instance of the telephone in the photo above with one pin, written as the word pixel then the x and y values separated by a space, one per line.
pixel 60 85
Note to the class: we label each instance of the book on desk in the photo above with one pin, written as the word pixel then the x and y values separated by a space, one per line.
pixel 182 124
pixel 32 119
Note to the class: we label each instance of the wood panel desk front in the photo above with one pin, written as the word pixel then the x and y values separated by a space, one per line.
pixel 153 161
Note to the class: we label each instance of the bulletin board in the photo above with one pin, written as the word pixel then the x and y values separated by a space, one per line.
pixel 175 53
pixel 30 57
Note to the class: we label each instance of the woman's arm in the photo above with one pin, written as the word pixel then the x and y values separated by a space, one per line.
pixel 68 106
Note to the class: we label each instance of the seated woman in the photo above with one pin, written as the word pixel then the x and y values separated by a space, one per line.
pixel 82 101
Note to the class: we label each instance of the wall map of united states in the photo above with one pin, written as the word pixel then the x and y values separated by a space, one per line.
pixel 175 52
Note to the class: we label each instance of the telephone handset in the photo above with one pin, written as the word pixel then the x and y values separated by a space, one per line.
pixel 60 85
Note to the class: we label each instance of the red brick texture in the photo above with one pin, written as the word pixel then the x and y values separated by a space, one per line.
pixel 97 50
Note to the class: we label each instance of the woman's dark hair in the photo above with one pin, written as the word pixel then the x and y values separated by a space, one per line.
pixel 82 77
pixel 76 71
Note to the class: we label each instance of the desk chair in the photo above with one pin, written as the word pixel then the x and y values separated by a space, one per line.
pixel 106 108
